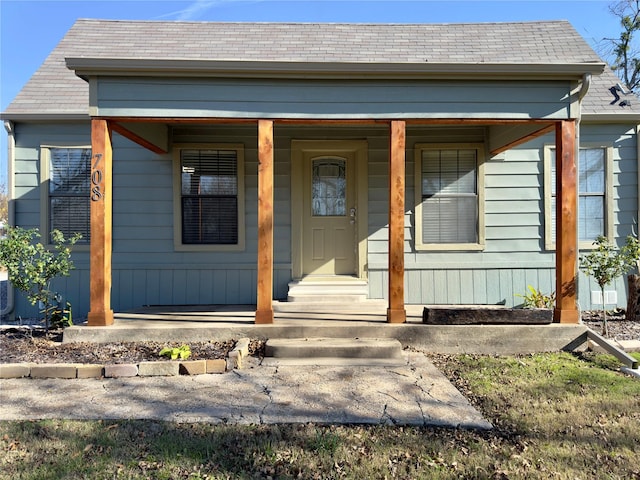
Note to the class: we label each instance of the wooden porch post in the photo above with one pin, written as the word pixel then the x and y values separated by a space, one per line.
pixel 264 307
pixel 100 313
pixel 566 310
pixel 396 312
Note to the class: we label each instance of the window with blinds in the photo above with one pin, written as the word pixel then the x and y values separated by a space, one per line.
pixel 592 194
pixel 449 201
pixel 69 185
pixel 209 196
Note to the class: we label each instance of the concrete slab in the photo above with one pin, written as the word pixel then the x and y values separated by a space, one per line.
pixel 333 347
pixel 448 339
pixel 412 394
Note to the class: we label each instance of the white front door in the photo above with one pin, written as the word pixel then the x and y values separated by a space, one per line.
pixel 329 214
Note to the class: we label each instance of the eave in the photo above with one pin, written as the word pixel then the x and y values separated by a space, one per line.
pixel 87 67
pixel 45 117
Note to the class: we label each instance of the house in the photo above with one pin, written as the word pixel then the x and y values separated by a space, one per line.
pixel 241 163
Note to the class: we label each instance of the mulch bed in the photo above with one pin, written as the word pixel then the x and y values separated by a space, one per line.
pixel 20 345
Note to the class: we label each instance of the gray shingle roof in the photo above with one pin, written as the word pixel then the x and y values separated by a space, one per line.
pixel 54 89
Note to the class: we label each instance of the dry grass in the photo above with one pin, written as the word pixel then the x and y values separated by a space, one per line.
pixel 557 416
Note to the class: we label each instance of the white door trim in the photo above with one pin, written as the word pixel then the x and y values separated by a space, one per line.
pixel 359 149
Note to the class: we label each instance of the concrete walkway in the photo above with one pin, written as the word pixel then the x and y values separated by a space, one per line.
pixel 415 393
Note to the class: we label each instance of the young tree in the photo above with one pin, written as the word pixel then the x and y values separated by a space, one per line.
pixel 31 266
pixel 623 53
pixel 606 262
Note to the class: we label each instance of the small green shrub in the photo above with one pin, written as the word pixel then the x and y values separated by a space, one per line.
pixel 183 352
pixel 536 299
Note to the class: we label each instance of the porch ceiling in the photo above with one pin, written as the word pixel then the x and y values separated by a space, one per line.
pixel 152 133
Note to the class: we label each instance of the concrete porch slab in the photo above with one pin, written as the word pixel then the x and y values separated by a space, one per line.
pixel 221 323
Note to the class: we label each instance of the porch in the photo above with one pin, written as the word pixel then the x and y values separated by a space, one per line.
pixel 228 322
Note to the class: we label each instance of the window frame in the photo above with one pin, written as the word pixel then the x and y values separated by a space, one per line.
pixel 177 199
pixel 480 185
pixel 549 157
pixel 45 197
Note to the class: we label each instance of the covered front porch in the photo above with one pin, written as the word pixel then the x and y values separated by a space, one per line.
pixel 507 134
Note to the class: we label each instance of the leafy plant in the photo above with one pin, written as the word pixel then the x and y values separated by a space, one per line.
pixel 536 299
pixel 606 263
pixel 31 266
pixel 183 352
pixel 59 317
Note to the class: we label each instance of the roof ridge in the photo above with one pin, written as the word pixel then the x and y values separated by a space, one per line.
pixel 372 24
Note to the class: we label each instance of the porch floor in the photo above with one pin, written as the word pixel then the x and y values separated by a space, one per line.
pixel 188 323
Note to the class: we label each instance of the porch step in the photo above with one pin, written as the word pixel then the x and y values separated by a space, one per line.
pixel 337 290
pixel 334 351
pixel 364 307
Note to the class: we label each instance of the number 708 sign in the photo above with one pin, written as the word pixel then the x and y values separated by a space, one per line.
pixel 96 178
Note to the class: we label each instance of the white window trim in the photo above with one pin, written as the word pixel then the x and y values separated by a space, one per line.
pixel 177 199
pixel 549 156
pixel 45 172
pixel 418 149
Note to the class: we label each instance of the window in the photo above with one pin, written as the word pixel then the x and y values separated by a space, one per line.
pixel 449 197
pixel 67 205
pixel 211 208
pixel 594 185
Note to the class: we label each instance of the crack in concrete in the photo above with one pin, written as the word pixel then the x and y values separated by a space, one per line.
pixel 267 392
pixel 385 417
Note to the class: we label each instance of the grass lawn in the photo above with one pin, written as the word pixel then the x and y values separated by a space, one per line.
pixel 559 416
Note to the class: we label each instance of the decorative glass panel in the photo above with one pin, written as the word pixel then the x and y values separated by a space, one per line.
pixel 69 186
pixel 329 188
pixel 209 180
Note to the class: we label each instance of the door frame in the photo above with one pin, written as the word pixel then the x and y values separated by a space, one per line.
pixel 357 148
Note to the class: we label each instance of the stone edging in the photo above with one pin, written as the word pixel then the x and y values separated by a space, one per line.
pixel 234 360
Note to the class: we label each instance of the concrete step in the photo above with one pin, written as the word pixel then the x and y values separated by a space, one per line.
pixel 328 289
pixel 334 351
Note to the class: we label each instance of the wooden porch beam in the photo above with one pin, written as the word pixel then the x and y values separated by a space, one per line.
pixel 526 138
pixel 100 313
pixel 329 121
pixel 396 312
pixel 135 138
pixel 264 307
pixel 566 310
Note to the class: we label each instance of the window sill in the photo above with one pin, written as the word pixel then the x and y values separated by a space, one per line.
pixel 472 247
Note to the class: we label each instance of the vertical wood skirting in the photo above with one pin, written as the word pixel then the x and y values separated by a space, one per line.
pixel 264 307
pixel 396 312
pixel 566 310
pixel 100 313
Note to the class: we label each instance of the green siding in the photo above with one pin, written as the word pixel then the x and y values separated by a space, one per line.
pixel 147 270
pixel 238 98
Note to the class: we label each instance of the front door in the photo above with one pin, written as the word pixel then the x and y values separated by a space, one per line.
pixel 328 208
pixel 329 214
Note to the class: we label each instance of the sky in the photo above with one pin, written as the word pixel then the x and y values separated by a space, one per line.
pixel 30 29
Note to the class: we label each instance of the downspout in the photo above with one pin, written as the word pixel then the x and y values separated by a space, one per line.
pixel 11 150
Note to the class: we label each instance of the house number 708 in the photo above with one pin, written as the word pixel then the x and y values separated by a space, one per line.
pixel 96 179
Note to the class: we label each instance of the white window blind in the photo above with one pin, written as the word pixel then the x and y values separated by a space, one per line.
pixel 209 197
pixel 449 196
pixel 69 185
